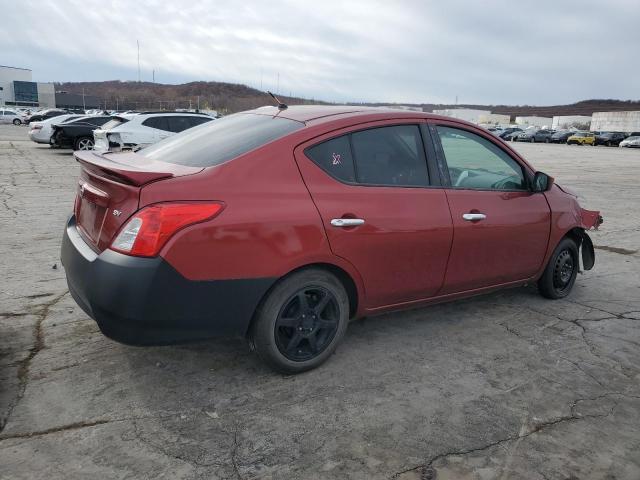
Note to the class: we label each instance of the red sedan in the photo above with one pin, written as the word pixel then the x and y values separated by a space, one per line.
pixel 282 224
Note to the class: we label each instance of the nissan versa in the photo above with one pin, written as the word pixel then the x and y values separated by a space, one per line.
pixel 282 224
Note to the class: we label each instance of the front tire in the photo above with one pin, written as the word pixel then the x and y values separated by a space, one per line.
pixel 301 321
pixel 83 143
pixel 533 140
pixel 17 121
pixel 560 274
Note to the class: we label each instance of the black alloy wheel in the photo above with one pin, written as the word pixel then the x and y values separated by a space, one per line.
pixel 307 323
pixel 301 320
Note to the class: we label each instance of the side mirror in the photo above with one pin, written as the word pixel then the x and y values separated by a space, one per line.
pixel 542 182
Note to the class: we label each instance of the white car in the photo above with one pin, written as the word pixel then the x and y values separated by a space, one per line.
pixel 130 131
pixel 40 132
pixel 631 142
pixel 9 116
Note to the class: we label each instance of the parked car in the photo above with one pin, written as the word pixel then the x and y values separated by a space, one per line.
pixel 582 138
pixel 533 136
pixel 143 129
pixel 508 131
pixel 40 132
pixel 610 139
pixel 561 136
pixel 512 136
pixel 631 142
pixel 77 134
pixel 282 224
pixel 10 116
pixel 495 130
pixel 44 114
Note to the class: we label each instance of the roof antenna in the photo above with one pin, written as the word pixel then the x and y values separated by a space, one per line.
pixel 281 106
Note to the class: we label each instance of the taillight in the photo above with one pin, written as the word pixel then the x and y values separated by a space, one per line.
pixel 147 231
pixel 36 127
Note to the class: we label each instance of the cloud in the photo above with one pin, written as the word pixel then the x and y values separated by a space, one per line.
pixel 406 51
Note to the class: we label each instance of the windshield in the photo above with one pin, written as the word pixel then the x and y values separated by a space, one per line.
pixel 216 142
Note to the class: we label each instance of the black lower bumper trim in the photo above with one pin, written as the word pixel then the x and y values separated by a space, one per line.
pixel 145 301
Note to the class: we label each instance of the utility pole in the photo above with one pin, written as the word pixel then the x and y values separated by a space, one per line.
pixel 138 42
pixel 84 107
pixel 261 78
pixel 278 86
pixel 153 76
pixel 198 107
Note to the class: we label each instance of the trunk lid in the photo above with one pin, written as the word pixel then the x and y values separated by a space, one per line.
pixel 108 191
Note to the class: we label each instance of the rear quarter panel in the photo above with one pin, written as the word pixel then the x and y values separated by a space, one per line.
pixel 269 225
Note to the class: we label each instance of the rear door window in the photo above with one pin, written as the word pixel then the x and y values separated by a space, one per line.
pixel 384 156
pixel 334 157
pixel 390 156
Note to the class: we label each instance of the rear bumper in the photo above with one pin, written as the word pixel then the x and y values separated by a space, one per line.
pixel 145 301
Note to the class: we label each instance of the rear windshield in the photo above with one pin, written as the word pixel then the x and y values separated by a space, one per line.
pixel 221 140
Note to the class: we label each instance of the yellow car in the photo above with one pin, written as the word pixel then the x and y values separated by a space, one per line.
pixel 582 138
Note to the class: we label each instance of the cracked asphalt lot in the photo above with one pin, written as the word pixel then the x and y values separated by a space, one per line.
pixel 507 385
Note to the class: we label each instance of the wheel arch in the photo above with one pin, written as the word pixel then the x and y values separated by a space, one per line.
pixel 353 293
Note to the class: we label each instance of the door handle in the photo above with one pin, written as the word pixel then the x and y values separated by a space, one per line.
pixel 473 217
pixel 347 222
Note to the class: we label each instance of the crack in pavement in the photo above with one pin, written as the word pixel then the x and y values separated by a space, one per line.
pixel 428 472
pixel 584 331
pixel 41 312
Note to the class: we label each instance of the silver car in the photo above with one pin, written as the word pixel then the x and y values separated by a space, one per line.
pixel 631 142
pixel 9 116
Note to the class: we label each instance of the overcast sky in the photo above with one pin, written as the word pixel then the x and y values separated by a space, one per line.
pixel 533 52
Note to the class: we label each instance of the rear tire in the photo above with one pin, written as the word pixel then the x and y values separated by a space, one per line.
pixel 533 140
pixel 83 143
pixel 300 323
pixel 17 121
pixel 560 273
pixel 547 141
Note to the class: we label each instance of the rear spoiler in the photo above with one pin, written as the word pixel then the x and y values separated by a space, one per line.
pixel 130 168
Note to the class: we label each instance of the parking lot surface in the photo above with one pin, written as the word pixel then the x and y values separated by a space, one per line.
pixel 507 385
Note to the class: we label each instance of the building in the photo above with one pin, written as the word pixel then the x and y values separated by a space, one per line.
pixel 540 122
pixel 77 101
pixel 18 89
pixel 616 122
pixel 494 119
pixel 468 114
pixel 565 122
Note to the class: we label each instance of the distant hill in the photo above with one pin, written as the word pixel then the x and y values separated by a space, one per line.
pixel 230 97
pixel 224 97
